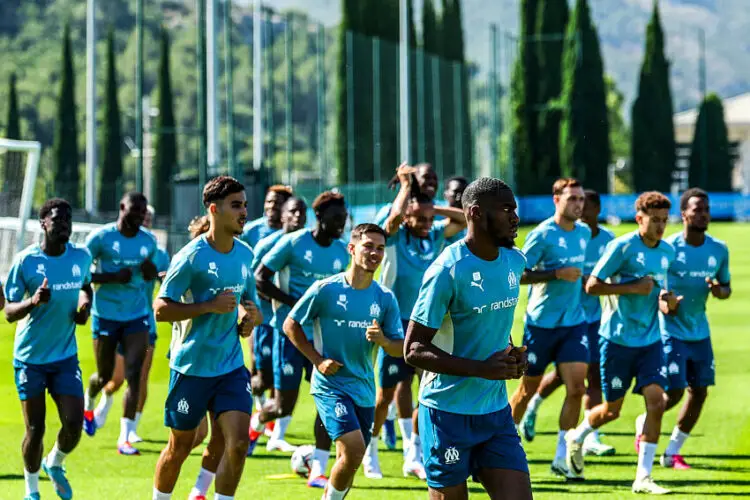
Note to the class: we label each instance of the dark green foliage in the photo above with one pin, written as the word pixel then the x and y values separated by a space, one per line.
pixel 653 144
pixel 165 155
pixel 12 179
pixel 551 23
pixel 430 50
pixel 349 24
pixel 584 135
pixel 66 157
pixel 110 172
pixel 710 161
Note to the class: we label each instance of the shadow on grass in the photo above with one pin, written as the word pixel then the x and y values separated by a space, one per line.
pixel 12 477
pixel 472 489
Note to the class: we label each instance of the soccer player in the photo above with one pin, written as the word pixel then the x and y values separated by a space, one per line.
pixel 257 229
pixel 48 288
pixel 600 236
pixel 700 269
pixel 298 260
pixel 454 190
pixel 352 316
pixel 459 334
pixel 632 274
pixel 293 218
pixel 414 242
pixel 207 282
pixel 124 253
pixel 555 326
pixel 425 182
pixel 161 261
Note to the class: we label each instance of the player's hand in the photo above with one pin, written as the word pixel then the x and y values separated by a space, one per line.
pixel 500 366
pixel 223 303
pixel 329 366
pixel 672 300
pixel 42 294
pixel 522 362
pixel 715 287
pixel 123 276
pixel 375 334
pixel 568 273
pixel 148 270
pixel 82 314
pixel 644 286
pixel 245 327
pixel 404 172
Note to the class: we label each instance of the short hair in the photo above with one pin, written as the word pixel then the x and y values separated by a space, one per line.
pixel 293 199
pixel 420 198
pixel 361 229
pixel 564 182
pixel 51 204
pixel 457 178
pixel 481 188
pixel 151 210
pixel 219 188
pixel 592 197
pixel 281 189
pixel 327 199
pixel 691 193
pixel 198 226
pixel 133 197
pixel 651 200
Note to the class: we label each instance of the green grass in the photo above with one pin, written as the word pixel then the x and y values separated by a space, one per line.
pixel 719 449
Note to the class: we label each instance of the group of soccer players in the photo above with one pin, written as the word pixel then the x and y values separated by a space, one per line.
pixel 308 303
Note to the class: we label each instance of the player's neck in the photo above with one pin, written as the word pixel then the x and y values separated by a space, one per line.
pixel 649 242
pixel 274 224
pixel 595 230
pixel 126 231
pixel 51 248
pixel 482 246
pixel 358 278
pixel 221 241
pixel 694 238
pixel 321 238
pixel 564 223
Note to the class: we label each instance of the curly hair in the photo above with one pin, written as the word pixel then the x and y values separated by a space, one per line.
pixel 198 226
pixel 219 188
pixel 691 193
pixel 651 200
pixel 51 204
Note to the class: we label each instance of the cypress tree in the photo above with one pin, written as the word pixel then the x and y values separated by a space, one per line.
pixel 465 156
pixel 431 49
pixel 165 156
pixel 584 134
pixel 66 177
pixel 551 23
pixel 348 8
pixel 524 91
pixel 710 161
pixel 13 172
pixel 110 174
pixel 447 88
pixel 653 144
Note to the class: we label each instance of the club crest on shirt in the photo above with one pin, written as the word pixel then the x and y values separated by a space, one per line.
pixel 583 244
pixel 244 272
pixel 512 280
pixel 374 310
pixel 337 265
pixel 144 252
pixel 664 263
pixel 75 271
pixel 712 261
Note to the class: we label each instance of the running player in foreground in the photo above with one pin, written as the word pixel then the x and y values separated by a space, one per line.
pixel 414 241
pixel 124 254
pixel 555 326
pixel 632 274
pixel 353 315
pixel 299 259
pixel 700 269
pixel 257 229
pixel 207 282
pixel 459 334
pixel 49 288
pixel 600 236
pixel 161 261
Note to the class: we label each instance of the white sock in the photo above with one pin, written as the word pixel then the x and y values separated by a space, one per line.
pixel 646 454
pixel 32 481
pixel 55 457
pixel 334 494
pixel 158 495
pixel 406 427
pixel 102 409
pixel 562 447
pixel 126 427
pixel 88 402
pixel 391 412
pixel 414 452
pixel 535 403
pixel 583 430
pixel 255 423
pixel 219 496
pixel 319 463
pixel 279 430
pixel 259 401
pixel 676 441
pixel 203 482
pixel 372 449
pixel 594 435
pixel 137 420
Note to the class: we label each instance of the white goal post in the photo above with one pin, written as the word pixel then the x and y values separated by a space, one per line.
pixel 33 150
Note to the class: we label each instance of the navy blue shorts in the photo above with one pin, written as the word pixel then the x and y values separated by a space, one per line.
pixel 620 364
pixel 60 378
pixel 592 334
pixel 456 446
pixel 566 344
pixel 189 398
pixel 288 364
pixel 263 340
pixel 340 415
pixel 116 330
pixel 689 363
pixel 390 370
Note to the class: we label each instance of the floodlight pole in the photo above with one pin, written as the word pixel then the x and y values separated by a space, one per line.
pixel 257 85
pixel 139 95
pixel 91 160
pixel 212 101
pixel 404 81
